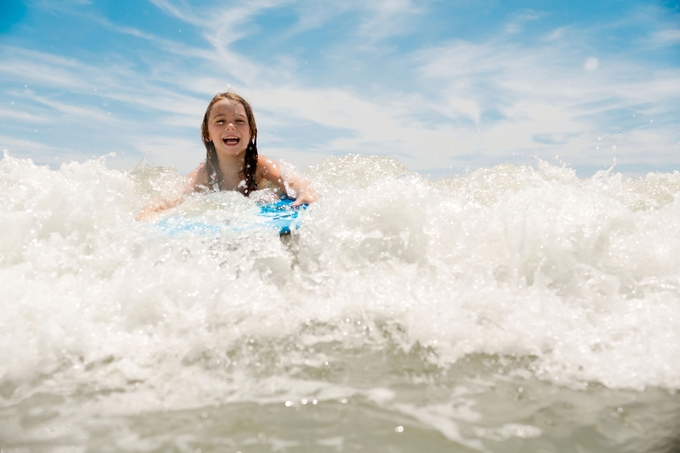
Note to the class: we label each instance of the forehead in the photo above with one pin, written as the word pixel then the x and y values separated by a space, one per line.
pixel 227 107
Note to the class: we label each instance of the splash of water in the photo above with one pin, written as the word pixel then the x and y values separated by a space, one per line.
pixel 571 281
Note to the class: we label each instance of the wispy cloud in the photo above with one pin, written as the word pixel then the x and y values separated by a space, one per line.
pixel 180 10
pixel 387 18
pixel 667 37
pixel 550 104
pixel 520 18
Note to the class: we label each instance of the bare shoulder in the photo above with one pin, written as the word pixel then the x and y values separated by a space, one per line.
pixel 266 164
pixel 268 169
pixel 198 177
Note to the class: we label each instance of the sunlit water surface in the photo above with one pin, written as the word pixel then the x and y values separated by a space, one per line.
pixel 510 309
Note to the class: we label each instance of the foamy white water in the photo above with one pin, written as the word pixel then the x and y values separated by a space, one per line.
pixel 508 309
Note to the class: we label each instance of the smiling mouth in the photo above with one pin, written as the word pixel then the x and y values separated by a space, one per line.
pixel 231 140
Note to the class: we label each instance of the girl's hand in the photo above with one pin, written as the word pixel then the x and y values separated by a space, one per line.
pixel 306 197
pixel 193 182
pixel 146 213
pixel 156 207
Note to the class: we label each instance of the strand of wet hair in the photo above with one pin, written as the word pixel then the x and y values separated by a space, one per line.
pixel 250 167
pixel 213 167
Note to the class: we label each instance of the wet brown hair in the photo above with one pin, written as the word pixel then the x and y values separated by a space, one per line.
pixel 211 163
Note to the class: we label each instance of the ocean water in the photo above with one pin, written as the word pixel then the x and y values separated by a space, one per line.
pixel 510 309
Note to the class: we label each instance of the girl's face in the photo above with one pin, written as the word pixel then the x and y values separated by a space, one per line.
pixel 228 128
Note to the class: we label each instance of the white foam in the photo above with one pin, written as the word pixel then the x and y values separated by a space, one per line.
pixel 580 276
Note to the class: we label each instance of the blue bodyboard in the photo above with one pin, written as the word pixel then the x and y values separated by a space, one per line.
pixel 280 216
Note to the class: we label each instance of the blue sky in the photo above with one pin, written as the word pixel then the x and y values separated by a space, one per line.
pixel 440 85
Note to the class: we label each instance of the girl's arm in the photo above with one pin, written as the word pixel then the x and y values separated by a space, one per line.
pixel 193 182
pixel 271 171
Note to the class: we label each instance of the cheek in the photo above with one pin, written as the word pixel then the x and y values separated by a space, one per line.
pixel 213 132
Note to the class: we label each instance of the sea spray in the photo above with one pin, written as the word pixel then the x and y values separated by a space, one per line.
pixel 426 303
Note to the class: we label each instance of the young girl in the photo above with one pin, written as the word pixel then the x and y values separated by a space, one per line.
pixel 232 163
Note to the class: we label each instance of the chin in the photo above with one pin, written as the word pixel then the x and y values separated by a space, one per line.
pixel 232 152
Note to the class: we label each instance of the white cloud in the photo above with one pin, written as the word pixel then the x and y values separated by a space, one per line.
pixel 26 146
pixel 545 104
pixel 519 19
pixel 179 153
pixel 591 64
pixel 181 11
pixel 557 34
pixel 667 37
pixel 386 18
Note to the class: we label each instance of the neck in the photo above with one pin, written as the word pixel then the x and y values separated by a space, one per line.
pixel 231 168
